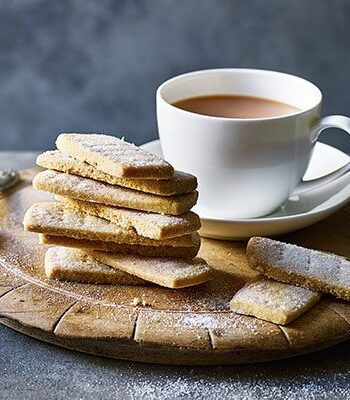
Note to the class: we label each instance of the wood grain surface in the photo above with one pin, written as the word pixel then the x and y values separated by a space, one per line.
pixel 187 326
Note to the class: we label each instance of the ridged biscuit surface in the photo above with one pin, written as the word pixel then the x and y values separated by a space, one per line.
pixel 114 156
pixel 322 272
pixel 94 191
pixel 180 183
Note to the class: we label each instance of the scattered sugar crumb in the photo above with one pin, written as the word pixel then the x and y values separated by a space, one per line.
pixel 135 301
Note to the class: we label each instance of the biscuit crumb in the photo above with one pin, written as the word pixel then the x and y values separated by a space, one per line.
pixel 135 301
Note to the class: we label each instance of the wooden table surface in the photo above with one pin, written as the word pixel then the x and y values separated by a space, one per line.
pixel 33 370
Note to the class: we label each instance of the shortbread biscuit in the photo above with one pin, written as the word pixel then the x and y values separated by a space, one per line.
pixel 150 225
pixel 114 156
pixel 273 301
pixel 147 251
pixel 166 272
pixel 322 272
pixel 74 265
pixel 94 191
pixel 63 220
pixel 180 183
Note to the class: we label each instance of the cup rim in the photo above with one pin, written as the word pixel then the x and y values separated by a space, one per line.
pixel 241 120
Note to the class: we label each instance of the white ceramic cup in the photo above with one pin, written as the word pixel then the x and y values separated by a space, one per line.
pixel 246 168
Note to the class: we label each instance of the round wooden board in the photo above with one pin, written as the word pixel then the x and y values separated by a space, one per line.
pixel 187 326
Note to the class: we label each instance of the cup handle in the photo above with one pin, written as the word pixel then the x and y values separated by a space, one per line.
pixel 332 121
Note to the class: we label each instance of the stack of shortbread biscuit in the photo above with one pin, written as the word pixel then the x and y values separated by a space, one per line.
pixel 123 215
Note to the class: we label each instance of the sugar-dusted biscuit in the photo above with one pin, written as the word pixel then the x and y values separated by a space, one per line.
pixel 322 272
pixel 63 220
pixel 151 225
pixel 180 183
pixel 89 190
pixel 114 156
pixel 166 272
pixel 147 251
pixel 74 265
pixel 273 301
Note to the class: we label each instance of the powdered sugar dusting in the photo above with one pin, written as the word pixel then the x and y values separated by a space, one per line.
pixel 323 272
pixel 113 155
pixel 167 272
pixel 100 192
pixel 179 183
pixel 306 378
pixel 244 383
pixel 113 148
pixel 276 295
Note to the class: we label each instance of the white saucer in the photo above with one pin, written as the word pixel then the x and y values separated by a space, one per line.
pixel 299 212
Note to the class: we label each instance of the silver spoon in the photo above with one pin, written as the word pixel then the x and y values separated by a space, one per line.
pixel 8 178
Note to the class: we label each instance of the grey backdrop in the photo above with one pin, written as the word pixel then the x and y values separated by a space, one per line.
pixel 89 65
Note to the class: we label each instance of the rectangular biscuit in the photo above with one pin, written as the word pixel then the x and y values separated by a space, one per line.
pixel 114 156
pixel 94 191
pixel 180 183
pixel 74 265
pixel 63 220
pixel 151 225
pixel 322 272
pixel 166 272
pixel 273 301
pixel 137 249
